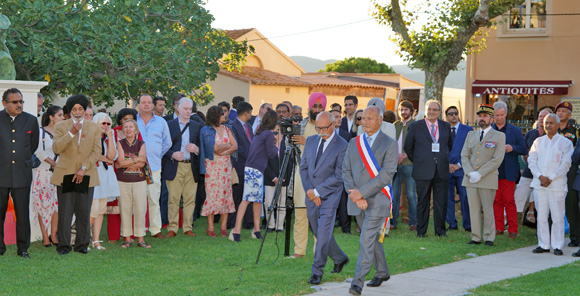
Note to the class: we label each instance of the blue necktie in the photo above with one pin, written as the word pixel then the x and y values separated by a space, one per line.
pixel 319 153
pixel 433 132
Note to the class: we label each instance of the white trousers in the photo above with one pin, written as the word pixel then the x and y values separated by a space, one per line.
pixel 523 193
pixel 550 202
pixel 153 194
pixel 276 220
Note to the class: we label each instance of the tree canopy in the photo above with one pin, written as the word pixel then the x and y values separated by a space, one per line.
pixel 114 49
pixel 358 65
pixel 451 30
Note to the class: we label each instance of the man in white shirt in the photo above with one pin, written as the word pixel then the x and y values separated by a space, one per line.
pixel 550 183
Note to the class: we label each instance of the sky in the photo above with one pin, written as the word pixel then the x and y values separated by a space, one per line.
pixel 321 29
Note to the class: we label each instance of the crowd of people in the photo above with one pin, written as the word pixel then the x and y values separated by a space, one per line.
pixel 154 171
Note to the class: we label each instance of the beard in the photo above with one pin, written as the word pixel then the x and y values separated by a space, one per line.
pixel 313 114
pixel 483 124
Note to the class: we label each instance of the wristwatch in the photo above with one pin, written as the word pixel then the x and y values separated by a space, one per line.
pixel 84 168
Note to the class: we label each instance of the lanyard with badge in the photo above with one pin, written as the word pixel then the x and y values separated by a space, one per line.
pixel 434 145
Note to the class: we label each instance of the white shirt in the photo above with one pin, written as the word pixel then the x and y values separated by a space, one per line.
pixel 484 131
pixel 257 122
pixel 349 122
pixel 80 132
pixel 555 161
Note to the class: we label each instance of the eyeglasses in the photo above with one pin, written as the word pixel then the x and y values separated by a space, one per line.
pixel 105 123
pixel 359 118
pixel 452 113
pixel 323 128
pixel 16 102
pixel 275 133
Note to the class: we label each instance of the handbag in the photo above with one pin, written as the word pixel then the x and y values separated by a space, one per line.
pixel 148 173
pixel 235 179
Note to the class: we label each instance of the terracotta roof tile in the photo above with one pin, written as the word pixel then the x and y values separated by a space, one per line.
pixel 329 80
pixel 235 34
pixel 261 76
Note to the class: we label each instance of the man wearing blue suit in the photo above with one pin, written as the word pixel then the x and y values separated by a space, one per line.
pixel 181 167
pixel 242 131
pixel 321 174
pixel 427 145
pixel 350 105
pixel 458 134
pixel 509 171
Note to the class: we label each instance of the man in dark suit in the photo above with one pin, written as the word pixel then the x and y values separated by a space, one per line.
pixel 427 145
pixel 255 121
pixel 321 173
pixel 18 141
pixel 350 105
pixel 193 116
pixel 244 135
pixel 342 212
pixel 458 134
pixel 367 194
pixel 509 171
pixel 181 167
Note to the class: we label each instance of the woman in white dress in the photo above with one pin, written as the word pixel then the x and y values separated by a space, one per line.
pixel 108 187
pixel 44 201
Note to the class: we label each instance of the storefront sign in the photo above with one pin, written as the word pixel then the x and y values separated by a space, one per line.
pixel 496 87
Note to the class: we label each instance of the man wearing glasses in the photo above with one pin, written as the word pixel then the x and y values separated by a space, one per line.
pixel 458 134
pixel 19 139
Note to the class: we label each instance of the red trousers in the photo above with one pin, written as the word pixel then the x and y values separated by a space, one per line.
pixel 504 200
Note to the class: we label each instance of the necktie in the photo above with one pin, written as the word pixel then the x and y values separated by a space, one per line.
pixel 453 135
pixel 104 146
pixel 481 137
pixel 370 140
pixel 247 133
pixel 319 153
pixel 433 132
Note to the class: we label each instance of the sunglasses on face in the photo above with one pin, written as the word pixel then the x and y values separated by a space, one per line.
pixel 275 133
pixel 105 123
pixel 16 102
pixel 359 118
pixel 452 113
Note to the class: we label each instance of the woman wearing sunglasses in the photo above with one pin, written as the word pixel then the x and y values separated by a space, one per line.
pixel 108 187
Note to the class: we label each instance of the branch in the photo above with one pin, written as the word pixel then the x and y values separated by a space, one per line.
pixel 398 23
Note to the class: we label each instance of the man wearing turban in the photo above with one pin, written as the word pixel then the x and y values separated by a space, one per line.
pixel 78 142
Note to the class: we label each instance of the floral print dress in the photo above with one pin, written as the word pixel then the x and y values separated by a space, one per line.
pixel 218 181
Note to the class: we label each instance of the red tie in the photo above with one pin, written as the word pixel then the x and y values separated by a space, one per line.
pixel 247 132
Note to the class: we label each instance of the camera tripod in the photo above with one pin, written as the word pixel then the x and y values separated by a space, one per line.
pixel 292 152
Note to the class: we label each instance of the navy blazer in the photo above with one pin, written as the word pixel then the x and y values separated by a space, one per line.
pixel 169 164
pixel 418 148
pixel 455 153
pixel 19 139
pixel 326 177
pixel 239 132
pixel 344 134
pixel 510 166
pixel 344 127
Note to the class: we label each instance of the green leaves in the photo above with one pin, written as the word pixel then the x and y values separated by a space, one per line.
pixel 118 49
pixel 358 65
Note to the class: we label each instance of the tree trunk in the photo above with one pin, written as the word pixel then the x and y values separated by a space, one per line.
pixel 434 83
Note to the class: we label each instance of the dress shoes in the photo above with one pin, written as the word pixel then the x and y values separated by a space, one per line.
pixel 377 281
pixel 235 237
pixel 338 267
pixel 441 235
pixel 577 254
pixel 355 290
pixel 171 233
pixel 83 251
pixel 573 243
pixel 269 230
pixel 452 228
pixel 315 279
pixel 24 255
pixel 420 235
pixel 296 256
pixel 497 232
pixel 62 253
pixel 489 243
pixel 160 235
pixel 413 227
pixel 558 252
pixel 190 233
pixel 468 229
pixel 540 250
pixel 472 242
pixel 512 235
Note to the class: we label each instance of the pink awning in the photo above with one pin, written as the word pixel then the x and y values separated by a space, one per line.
pixel 521 87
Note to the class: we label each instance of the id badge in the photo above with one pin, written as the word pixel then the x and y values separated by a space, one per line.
pixel 435 147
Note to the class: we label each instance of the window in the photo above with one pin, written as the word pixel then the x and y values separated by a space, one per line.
pixel 531 14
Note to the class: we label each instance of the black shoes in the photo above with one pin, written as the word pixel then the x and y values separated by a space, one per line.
pixel 441 235
pixel 315 279
pixel 24 255
pixel 472 242
pixel 84 251
pixel 376 281
pixel 573 243
pixel 577 254
pixel 468 229
pixel 355 290
pixel 420 235
pixel 452 228
pixel 489 243
pixel 540 250
pixel 338 267
pixel 269 230
pixel 62 253
pixel 558 252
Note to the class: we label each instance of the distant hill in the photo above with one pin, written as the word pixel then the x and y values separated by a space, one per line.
pixel 455 79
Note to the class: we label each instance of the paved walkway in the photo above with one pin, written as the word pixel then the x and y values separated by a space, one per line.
pixel 457 277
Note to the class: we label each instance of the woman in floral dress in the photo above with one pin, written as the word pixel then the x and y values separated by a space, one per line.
pixel 218 143
pixel 45 203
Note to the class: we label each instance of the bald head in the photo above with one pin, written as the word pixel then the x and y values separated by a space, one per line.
pixel 324 124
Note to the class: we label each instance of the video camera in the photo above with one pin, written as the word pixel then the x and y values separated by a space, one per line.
pixel 288 126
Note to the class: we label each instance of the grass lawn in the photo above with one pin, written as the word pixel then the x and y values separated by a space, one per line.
pixel 210 266
pixel 561 280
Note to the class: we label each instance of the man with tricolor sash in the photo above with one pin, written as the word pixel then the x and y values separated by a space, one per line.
pixel 367 171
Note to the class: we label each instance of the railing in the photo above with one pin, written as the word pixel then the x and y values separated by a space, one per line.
pixel 523 125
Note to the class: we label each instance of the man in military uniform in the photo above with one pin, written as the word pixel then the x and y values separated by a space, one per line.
pixel 482 154
pixel 566 129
